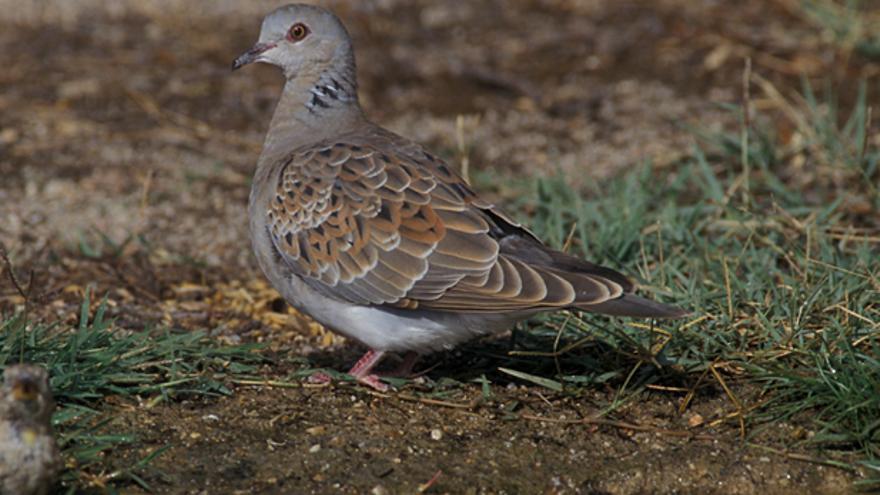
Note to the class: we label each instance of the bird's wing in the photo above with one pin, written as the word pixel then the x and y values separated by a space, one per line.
pixel 392 225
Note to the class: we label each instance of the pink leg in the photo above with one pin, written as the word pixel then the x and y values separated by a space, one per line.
pixel 362 370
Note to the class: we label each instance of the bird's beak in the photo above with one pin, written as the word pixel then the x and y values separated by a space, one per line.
pixel 24 390
pixel 252 55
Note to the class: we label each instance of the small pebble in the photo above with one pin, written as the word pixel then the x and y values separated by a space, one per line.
pixel 316 430
pixel 314 448
pixel 436 434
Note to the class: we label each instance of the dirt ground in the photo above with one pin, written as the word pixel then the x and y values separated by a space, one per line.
pixel 121 125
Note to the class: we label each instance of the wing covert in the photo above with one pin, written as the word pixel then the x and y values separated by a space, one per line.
pixel 369 225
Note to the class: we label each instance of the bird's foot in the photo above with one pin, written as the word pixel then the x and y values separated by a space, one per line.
pixel 319 377
pixel 374 382
pixel 362 371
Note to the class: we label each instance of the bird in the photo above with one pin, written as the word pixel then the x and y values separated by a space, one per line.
pixel 29 457
pixel 380 240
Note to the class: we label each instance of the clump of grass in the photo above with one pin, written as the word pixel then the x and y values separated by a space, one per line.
pixel 784 281
pixel 848 23
pixel 94 361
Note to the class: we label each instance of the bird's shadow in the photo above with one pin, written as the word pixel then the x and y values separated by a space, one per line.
pixel 594 362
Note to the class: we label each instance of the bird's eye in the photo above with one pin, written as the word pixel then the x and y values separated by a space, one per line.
pixel 297 32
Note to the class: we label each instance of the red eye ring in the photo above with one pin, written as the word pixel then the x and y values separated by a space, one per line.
pixel 297 32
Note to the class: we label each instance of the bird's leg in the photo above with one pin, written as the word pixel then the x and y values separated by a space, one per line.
pixel 404 370
pixel 362 370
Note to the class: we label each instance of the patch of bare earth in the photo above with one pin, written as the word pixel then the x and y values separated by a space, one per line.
pixel 126 149
pixel 347 440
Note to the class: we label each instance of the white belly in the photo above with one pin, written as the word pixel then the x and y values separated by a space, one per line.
pixel 392 329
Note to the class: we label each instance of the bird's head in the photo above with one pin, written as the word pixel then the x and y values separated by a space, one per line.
pixel 300 39
pixel 26 394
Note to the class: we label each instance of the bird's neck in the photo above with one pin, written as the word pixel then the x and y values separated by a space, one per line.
pixel 312 107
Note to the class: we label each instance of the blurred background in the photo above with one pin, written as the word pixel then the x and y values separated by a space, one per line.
pixel 122 116
pixel 127 146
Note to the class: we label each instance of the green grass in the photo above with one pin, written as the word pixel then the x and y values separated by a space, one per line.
pixel 94 361
pixel 851 24
pixel 783 277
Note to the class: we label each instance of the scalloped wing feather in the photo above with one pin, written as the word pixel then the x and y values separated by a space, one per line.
pixel 377 220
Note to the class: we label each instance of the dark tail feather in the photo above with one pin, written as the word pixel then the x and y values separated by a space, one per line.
pixel 631 305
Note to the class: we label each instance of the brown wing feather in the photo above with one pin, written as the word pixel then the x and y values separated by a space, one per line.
pixel 380 221
pixel 359 222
